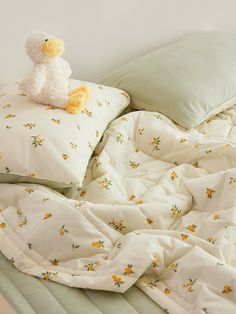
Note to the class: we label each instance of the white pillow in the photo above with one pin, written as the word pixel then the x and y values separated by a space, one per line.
pixel 43 142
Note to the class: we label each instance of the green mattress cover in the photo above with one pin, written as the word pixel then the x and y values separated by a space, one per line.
pixel 28 295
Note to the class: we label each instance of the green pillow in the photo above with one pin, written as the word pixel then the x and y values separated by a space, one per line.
pixel 188 81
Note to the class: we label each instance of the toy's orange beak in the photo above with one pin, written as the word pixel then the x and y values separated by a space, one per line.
pixel 53 47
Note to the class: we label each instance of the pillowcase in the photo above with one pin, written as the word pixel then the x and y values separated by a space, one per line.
pixel 42 142
pixel 188 81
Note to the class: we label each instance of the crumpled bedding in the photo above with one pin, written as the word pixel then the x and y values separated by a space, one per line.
pixel 157 209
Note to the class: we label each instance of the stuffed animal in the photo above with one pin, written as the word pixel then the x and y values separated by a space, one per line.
pixel 48 82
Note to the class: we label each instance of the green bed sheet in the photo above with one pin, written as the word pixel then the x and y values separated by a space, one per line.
pixel 30 295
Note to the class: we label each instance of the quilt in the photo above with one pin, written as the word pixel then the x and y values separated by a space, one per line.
pixel 157 209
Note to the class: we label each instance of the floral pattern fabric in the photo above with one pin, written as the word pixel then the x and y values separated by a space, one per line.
pixel 44 142
pixel 157 209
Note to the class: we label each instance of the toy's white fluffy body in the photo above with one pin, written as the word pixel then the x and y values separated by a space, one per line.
pixel 48 82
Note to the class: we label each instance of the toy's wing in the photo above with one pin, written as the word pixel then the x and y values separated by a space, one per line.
pixel 65 67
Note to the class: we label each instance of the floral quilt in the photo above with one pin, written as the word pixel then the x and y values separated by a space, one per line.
pixel 157 209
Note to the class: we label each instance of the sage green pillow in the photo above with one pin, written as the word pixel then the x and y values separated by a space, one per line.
pixel 188 81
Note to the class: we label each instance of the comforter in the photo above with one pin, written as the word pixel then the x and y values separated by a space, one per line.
pixel 157 209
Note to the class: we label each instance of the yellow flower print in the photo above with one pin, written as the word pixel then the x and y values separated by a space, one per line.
pixel 47 216
pixel 97 263
pixel 155 262
pixel 92 266
pixel 151 284
pixel 22 223
pixel 82 193
pixel 210 192
pixel 182 140
pixel 29 126
pixel 196 164
pixel 56 121
pixel 73 146
pixel 227 145
pixel 33 175
pixel 174 266
pixel 216 216
pixel 173 176
pixel 149 221
pixel 128 270
pixel 232 180
pixel 184 236
pixel 167 291
pixel 97 133
pixel 49 275
pixel 89 267
pixel 139 202
pixel 120 138
pixel 140 131
pixel 46 275
pixel 62 231
pixel 3 225
pixel 87 113
pixel 191 227
pixel 37 141
pixel 197 145
pixel 9 116
pixel 133 164
pixel 117 280
pixel 155 143
pixel 175 211
pixel 54 262
pixel 132 197
pixel 65 156
pixel 29 190
pixel 211 240
pixel 98 244
pixel 190 284
pixel 208 151
pixel 105 184
pixel 22 94
pixel 8 127
pixel 117 225
pixel 227 289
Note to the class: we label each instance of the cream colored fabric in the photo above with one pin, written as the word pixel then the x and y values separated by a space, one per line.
pixel 43 142
pixel 157 210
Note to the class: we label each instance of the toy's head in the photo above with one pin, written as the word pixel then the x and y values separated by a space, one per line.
pixel 42 47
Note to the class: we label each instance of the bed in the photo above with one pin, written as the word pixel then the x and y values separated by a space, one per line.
pixel 149 220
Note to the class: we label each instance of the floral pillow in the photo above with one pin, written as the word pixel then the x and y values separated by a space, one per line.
pixel 40 142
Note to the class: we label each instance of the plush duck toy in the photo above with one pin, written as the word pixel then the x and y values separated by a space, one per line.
pixel 48 82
